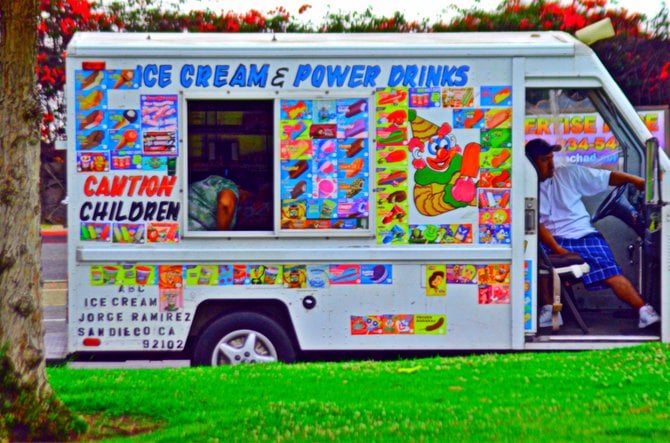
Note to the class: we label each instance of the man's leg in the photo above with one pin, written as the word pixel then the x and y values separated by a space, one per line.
pixel 625 291
pixel 544 291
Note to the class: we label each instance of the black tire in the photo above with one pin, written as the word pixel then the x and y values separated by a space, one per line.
pixel 226 341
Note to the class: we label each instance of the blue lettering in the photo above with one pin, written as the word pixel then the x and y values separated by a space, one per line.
pixel 422 76
pixel 462 76
pixel 258 77
pixel 186 76
pixel 239 77
pixel 356 78
pixel 203 75
pixel 164 75
pixel 220 75
pixel 411 72
pixel 428 75
pixel 337 76
pixel 395 76
pixel 153 74
pixel 433 76
pixel 302 74
pixel 149 75
pixel 371 74
pixel 318 75
pixel 447 74
pixel 455 76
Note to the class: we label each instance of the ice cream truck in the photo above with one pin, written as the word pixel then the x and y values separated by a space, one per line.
pixel 250 197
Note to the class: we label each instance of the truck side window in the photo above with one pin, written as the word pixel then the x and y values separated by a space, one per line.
pixel 230 165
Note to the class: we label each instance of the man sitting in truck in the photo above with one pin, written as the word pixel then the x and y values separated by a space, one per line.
pixel 565 226
pixel 212 204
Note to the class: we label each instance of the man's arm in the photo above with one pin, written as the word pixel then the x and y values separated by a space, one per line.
pixel 225 209
pixel 621 178
pixel 547 238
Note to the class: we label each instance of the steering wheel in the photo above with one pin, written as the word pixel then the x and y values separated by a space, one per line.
pixel 616 203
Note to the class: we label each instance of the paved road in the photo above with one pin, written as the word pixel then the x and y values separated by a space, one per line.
pixel 54 258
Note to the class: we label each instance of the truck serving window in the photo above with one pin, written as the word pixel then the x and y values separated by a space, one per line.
pixel 323 170
pixel 230 165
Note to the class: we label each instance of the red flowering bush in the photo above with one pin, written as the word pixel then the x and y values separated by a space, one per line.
pixel 638 57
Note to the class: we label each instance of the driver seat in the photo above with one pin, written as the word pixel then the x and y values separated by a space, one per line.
pixel 565 271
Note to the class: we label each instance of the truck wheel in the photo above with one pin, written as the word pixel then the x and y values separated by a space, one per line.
pixel 244 337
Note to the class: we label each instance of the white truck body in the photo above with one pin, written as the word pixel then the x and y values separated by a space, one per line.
pixel 338 145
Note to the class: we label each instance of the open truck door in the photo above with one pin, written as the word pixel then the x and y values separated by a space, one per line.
pixel 594 134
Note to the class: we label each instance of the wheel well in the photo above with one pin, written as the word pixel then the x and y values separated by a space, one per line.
pixel 209 310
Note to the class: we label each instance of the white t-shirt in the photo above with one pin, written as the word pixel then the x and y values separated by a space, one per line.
pixel 561 208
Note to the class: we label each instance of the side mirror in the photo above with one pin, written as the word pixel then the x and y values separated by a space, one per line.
pixel 652 190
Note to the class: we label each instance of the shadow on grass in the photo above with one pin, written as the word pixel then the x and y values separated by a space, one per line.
pixel 101 427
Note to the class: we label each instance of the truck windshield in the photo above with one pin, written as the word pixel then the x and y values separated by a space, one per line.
pixel 582 122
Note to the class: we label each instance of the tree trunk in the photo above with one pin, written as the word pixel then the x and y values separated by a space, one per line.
pixel 28 403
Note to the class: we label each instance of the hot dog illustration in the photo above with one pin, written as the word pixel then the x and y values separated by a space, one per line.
pixel 435 326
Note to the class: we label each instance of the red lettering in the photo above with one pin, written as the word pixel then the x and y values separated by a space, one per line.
pixel 167 183
pixel 103 187
pixel 575 125
pixel 543 126
pixel 589 124
pixel 118 184
pixel 133 182
pixel 90 182
pixel 530 125
pixel 606 128
pixel 152 186
pixel 148 186
pixel 651 121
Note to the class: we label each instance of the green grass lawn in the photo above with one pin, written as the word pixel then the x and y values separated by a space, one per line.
pixel 614 395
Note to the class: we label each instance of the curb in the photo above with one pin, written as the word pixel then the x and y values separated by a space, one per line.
pixel 53 232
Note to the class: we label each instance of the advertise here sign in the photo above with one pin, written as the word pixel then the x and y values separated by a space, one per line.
pixel 586 138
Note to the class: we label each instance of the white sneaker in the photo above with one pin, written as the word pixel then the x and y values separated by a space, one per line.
pixel 545 317
pixel 648 316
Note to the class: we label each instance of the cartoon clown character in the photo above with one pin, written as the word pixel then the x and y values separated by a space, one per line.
pixel 446 174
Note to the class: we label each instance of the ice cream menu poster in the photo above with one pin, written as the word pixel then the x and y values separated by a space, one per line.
pixel 443 165
pixel 142 136
pixel 324 164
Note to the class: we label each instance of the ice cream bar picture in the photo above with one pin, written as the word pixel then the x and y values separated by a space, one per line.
pixel 129 116
pixel 91 120
pixel 470 162
pixel 356 127
pixel 356 108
